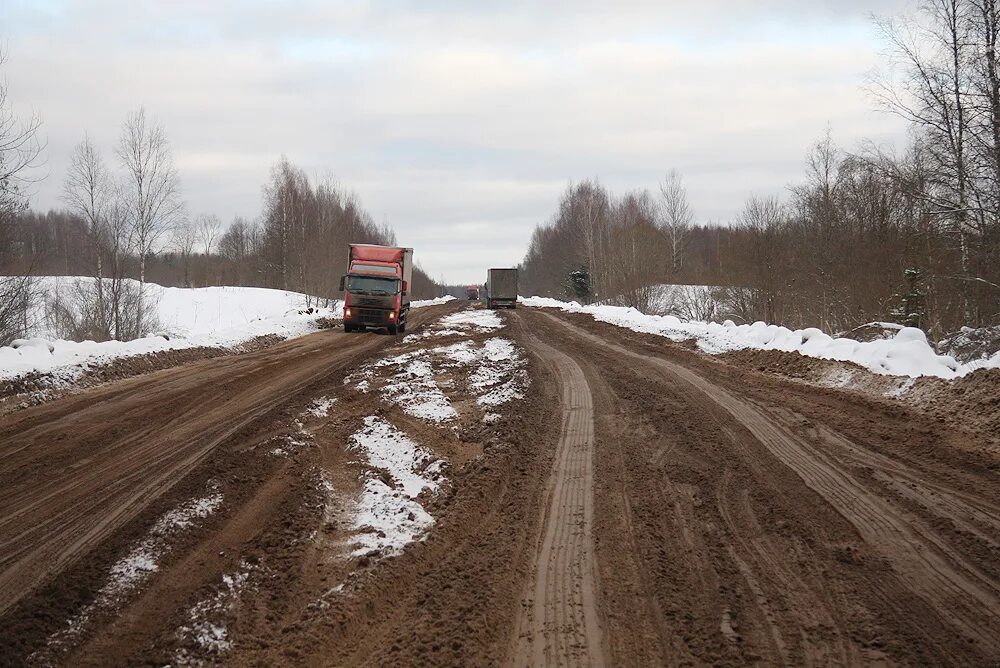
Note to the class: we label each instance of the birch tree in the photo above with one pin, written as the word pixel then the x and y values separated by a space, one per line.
pixel 676 218
pixel 150 188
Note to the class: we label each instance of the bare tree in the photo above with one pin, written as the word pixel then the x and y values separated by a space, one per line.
pixel 19 153
pixel 208 229
pixel 87 191
pixel 676 218
pixel 185 238
pixel 150 190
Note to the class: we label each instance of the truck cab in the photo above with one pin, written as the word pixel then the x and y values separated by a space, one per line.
pixel 376 288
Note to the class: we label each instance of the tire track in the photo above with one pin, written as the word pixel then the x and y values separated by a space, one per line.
pixel 559 622
pixel 929 567
pixel 78 469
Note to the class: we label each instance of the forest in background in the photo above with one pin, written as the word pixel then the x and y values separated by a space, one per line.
pixel 867 235
pixel 124 218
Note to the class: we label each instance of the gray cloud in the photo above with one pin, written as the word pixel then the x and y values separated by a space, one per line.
pixel 457 123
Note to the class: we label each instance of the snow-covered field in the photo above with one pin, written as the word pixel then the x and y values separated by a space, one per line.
pixel 217 317
pixel 908 353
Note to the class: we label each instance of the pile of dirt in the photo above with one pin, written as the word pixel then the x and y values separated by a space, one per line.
pixel 971 403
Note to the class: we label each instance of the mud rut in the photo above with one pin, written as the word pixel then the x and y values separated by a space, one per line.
pixel 559 624
pixel 642 505
pixel 732 527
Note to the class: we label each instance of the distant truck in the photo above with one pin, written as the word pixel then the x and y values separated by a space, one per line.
pixel 501 288
pixel 472 293
pixel 377 288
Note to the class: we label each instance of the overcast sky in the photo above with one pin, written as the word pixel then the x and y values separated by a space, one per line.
pixel 458 123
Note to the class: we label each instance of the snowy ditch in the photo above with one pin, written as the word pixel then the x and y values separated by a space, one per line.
pixel 128 574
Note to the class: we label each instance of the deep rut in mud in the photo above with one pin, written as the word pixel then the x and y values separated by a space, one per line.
pixel 559 622
pixel 756 532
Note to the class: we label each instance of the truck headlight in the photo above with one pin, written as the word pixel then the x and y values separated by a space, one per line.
pixel 347 313
pixel 392 315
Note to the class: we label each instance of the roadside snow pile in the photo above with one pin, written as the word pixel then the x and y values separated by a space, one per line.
pixel 187 317
pixel 128 573
pixel 214 317
pixel 389 517
pixel 906 354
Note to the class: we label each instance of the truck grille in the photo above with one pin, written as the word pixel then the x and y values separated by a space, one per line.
pixel 371 315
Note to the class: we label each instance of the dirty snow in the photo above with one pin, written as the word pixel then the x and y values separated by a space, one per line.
pixel 437 301
pixel 388 518
pixel 320 408
pixel 390 450
pixel 472 320
pixel 495 370
pixel 207 632
pixel 128 573
pixel 906 354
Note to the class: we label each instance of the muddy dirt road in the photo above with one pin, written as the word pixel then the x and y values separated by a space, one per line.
pixel 569 493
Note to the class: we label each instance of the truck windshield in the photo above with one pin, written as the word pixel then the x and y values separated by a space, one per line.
pixel 372 285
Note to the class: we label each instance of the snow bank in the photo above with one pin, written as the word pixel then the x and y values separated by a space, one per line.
pixel 215 317
pixel 906 354
pixel 188 318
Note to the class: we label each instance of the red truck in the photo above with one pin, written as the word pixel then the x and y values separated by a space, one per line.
pixel 377 288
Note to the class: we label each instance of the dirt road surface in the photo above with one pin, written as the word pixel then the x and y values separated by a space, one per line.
pixel 635 503
pixel 560 625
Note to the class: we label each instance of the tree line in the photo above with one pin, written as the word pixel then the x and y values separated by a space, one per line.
pixel 124 221
pixel 865 235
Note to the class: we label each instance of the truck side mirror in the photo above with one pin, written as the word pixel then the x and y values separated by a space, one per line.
pixel 342 279
pixel 406 286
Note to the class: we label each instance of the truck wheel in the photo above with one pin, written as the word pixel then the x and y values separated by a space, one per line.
pixel 402 327
pixel 348 328
pixel 392 329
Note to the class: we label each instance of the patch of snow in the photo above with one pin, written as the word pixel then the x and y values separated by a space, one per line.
pixel 390 450
pixel 412 387
pixel 474 320
pixel 906 354
pixel 207 632
pixel 128 573
pixel 902 389
pixel 388 518
pixel 320 408
pixel 490 418
pixel 437 301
